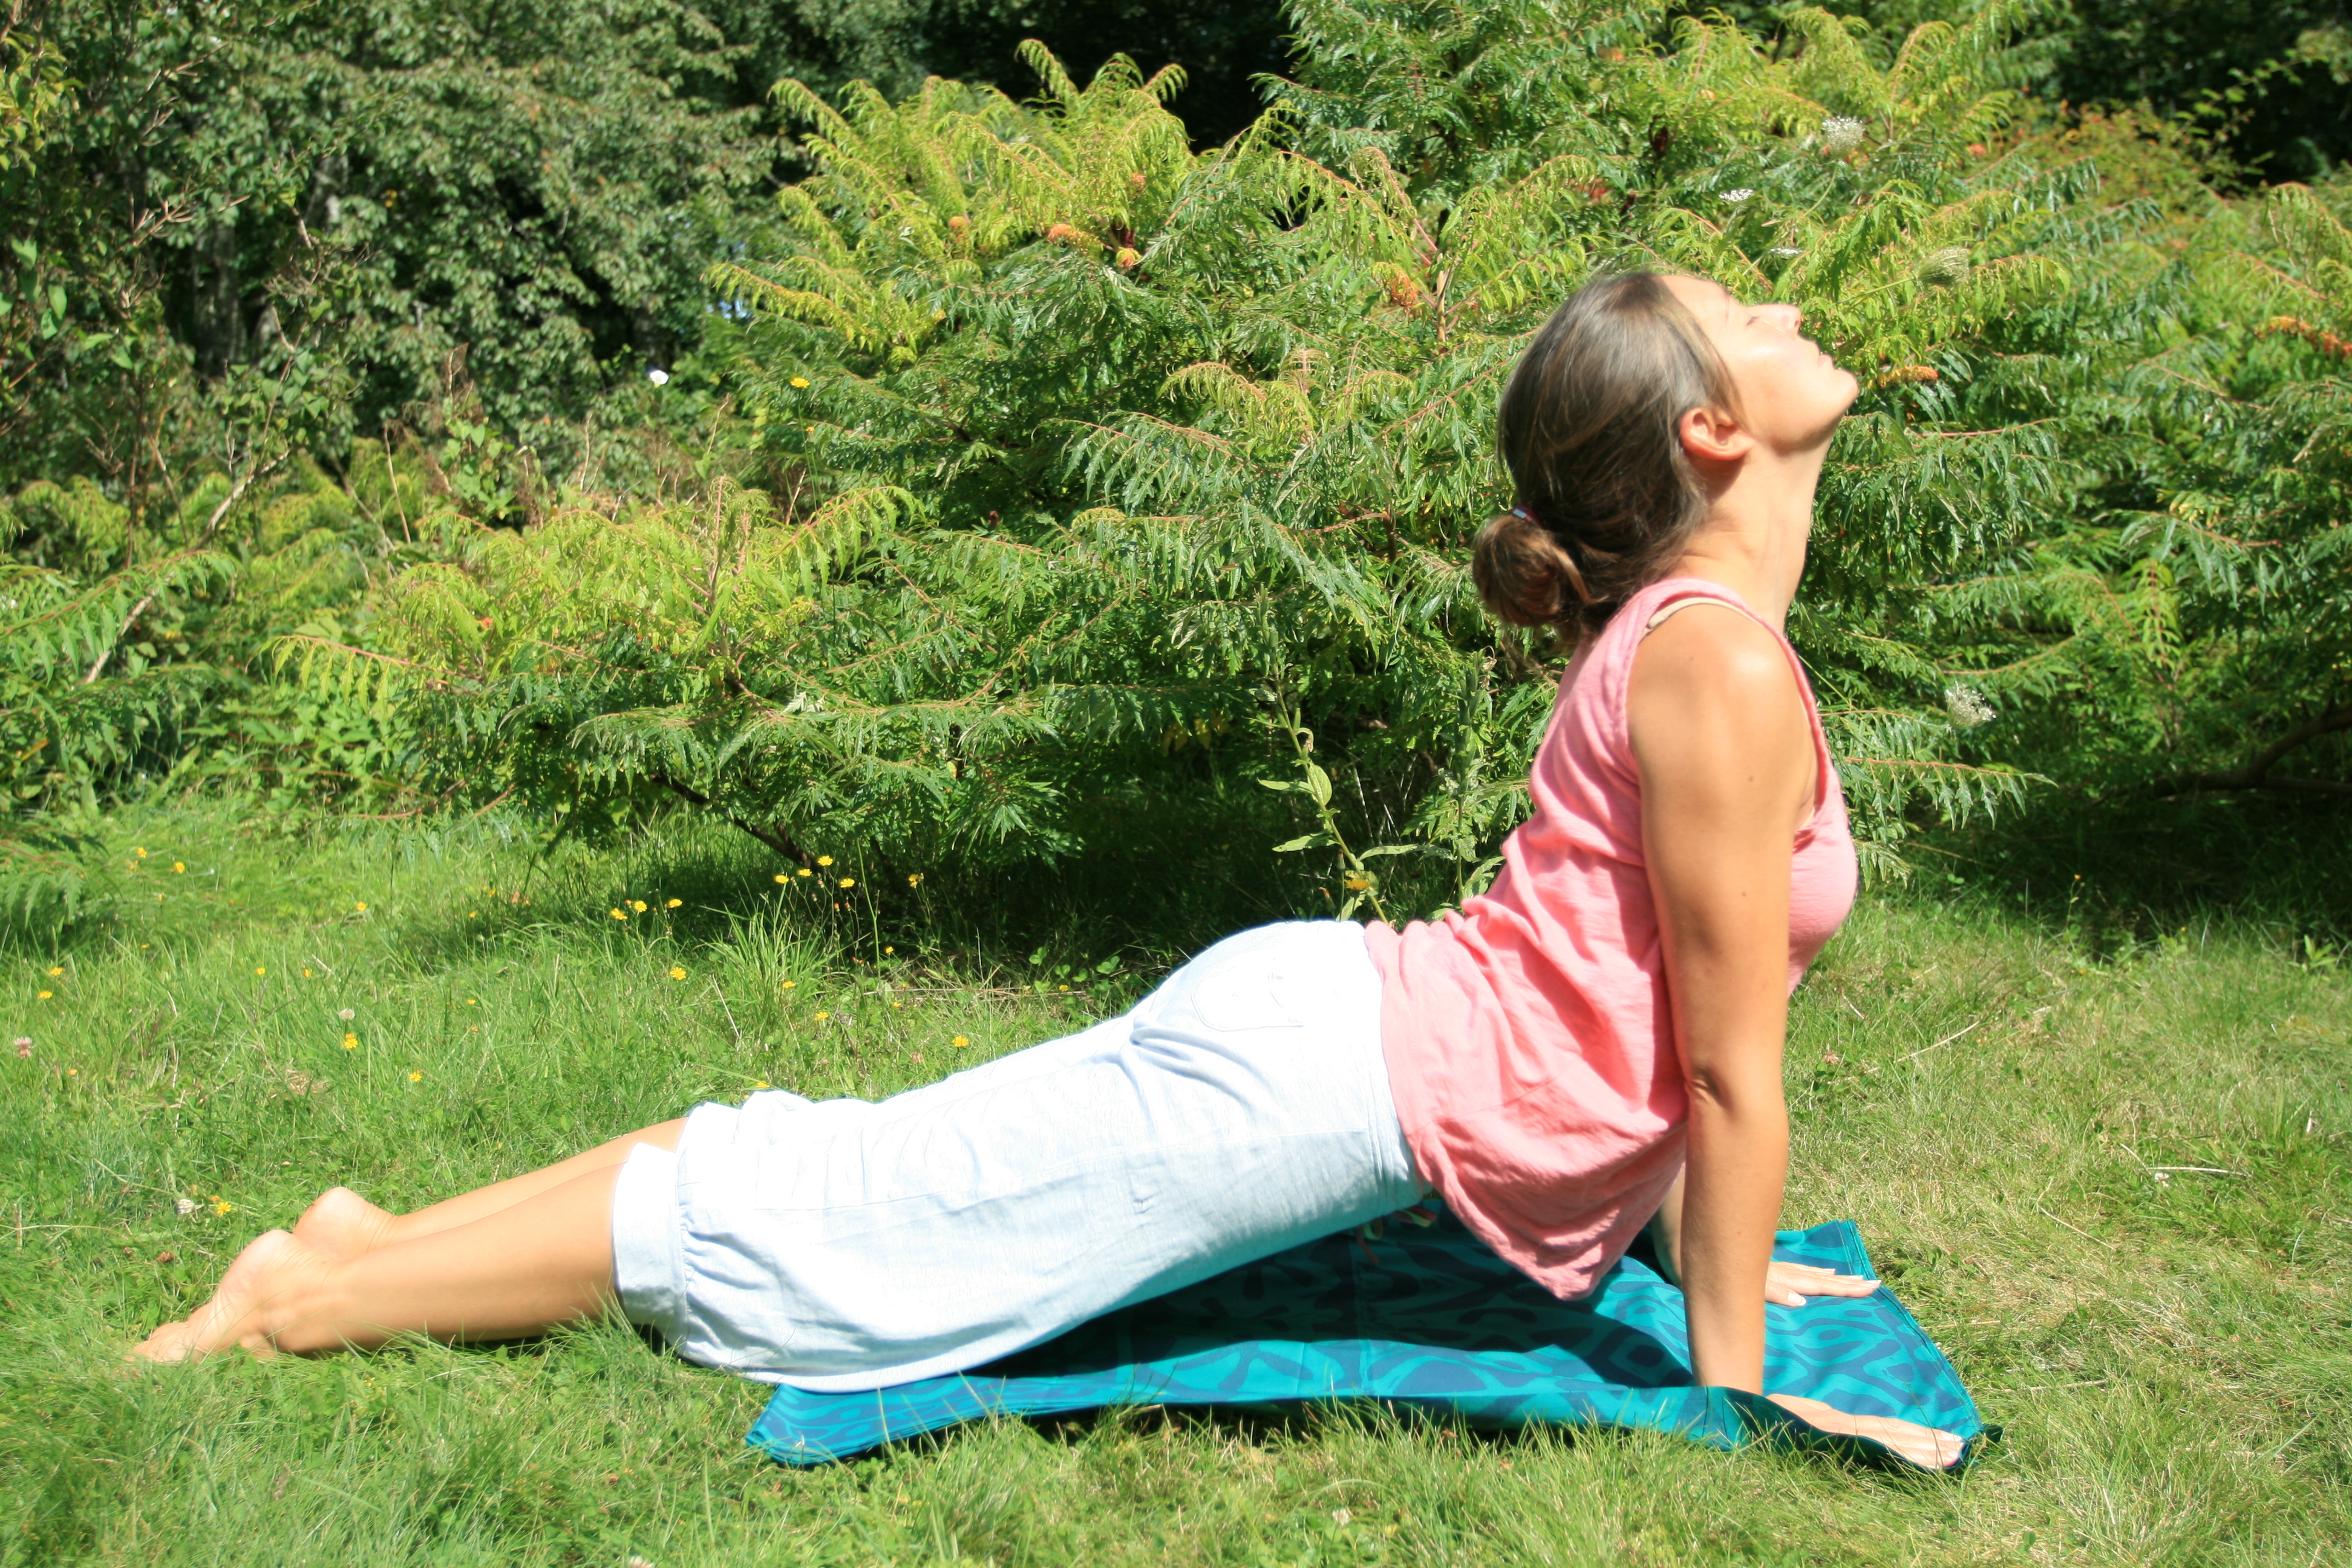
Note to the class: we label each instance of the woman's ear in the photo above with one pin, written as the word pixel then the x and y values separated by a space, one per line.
pixel 1712 436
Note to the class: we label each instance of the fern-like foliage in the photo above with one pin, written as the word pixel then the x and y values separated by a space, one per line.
pixel 1118 469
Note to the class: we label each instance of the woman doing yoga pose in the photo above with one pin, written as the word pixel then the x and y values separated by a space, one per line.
pixel 1590 1047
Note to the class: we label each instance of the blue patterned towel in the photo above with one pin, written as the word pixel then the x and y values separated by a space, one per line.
pixel 1428 1318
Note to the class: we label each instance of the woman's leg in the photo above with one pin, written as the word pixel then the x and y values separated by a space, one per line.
pixel 341 1224
pixel 543 1259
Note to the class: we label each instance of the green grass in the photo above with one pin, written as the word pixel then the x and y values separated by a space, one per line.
pixel 2170 1358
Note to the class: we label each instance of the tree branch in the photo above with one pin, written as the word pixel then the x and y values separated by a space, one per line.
pixel 2255 775
pixel 774 838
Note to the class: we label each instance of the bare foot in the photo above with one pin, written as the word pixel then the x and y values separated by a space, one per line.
pixel 341 1224
pixel 254 1299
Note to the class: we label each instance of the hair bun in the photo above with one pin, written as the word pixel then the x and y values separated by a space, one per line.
pixel 1524 573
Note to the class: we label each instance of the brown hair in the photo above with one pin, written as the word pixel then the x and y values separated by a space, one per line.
pixel 1606 498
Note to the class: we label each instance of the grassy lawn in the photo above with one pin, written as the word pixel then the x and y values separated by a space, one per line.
pixel 2167 1349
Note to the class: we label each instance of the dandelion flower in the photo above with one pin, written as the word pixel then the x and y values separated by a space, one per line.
pixel 639 906
pixel 1062 988
pixel 799 381
pixel 914 879
pixel 677 975
pixel 180 866
pixel 616 914
pixel 1357 881
pixel 804 872
pixel 825 859
pixel 346 1015
pixel 471 1002
pixel 849 882
pixel 821 1017
pixel 306 974
pixel 674 903
pixel 261 969
pixel 356 909
pixel 54 972
pixel 898 1004
pixel 887 950
pixel 788 984
pixel 45 995
pixel 416 1078
pixel 960 1042
pixel 761 1084
pixel 470 914
pixel 141 853
pixel 221 1205
pixel 185 1206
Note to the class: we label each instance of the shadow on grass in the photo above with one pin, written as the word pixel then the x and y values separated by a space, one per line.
pixel 2115 874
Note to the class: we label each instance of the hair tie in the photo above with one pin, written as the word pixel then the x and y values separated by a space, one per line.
pixel 1567 559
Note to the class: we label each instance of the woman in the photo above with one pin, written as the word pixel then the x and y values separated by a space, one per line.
pixel 1593 1045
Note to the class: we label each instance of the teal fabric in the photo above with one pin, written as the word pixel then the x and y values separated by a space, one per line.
pixel 1428 1318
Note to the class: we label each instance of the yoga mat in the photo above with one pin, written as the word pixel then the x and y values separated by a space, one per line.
pixel 1431 1319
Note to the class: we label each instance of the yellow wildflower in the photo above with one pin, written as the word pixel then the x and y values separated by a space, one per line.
pixel 887 950
pixel 804 872
pixel 914 879
pixel 45 995
pixel 788 984
pixel 849 882
pixel 356 909
pixel 473 914
pixel 416 1078
pixel 306 973
pixel 800 381
pixel 141 853
pixel 821 1017
pixel 960 1042
pixel 261 969
pixel 782 878
pixel 1357 881
pixel 57 971
pixel 825 859
pixel 471 1002
pixel 761 1084
pixel 616 914
pixel 675 903
pixel 350 1042
pixel 678 973
pixel 179 866
pixel 221 1207
pixel 639 906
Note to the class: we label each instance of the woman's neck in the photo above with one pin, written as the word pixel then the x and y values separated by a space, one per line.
pixel 1753 542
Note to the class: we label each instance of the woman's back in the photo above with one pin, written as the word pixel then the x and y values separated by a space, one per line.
pixel 1528 1036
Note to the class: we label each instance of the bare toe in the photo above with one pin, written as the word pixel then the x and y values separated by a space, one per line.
pixel 261 1277
pixel 341 1224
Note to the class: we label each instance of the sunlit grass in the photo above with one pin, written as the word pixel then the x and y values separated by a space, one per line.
pixel 2115 1191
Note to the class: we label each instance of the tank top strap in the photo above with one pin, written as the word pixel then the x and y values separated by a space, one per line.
pixel 1649 608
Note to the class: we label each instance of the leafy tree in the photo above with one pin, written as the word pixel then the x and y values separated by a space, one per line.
pixel 1126 469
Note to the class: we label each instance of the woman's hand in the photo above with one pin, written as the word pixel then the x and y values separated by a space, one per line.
pixel 1788 1284
pixel 1924 1445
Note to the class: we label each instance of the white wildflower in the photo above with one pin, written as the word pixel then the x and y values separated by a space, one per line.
pixel 187 1206
pixel 1967 707
pixel 1944 266
pixel 1840 134
pixel 347 1015
pixel 659 377
pixel 1734 197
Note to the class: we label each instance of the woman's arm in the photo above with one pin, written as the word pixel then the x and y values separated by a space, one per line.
pixel 1727 761
pixel 1720 735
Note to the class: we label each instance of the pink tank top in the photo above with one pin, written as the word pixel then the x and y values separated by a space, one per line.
pixel 1528 1037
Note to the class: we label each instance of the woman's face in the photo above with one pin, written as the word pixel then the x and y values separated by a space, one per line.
pixel 1791 394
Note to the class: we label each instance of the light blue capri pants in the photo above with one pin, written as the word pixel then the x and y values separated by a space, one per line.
pixel 1240 1109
